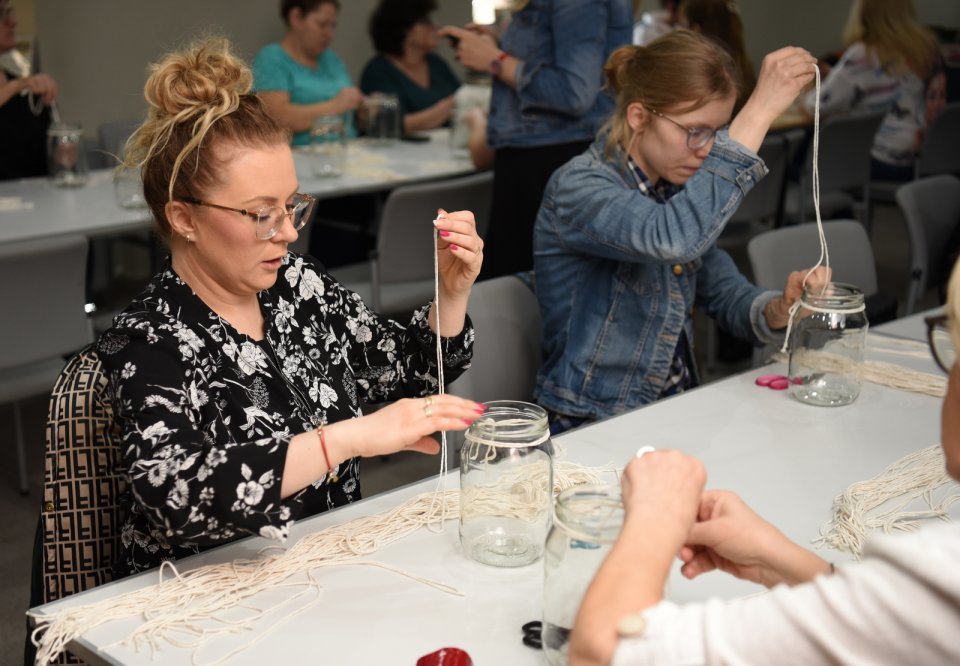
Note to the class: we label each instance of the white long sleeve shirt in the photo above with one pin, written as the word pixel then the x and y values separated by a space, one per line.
pixel 900 605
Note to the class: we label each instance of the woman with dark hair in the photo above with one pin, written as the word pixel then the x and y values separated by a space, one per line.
pixel 405 36
pixel 300 78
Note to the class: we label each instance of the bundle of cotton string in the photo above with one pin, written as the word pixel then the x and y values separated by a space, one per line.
pixel 195 604
pixel 861 507
pixel 876 372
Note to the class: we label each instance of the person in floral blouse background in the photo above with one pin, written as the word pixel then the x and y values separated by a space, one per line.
pixel 238 374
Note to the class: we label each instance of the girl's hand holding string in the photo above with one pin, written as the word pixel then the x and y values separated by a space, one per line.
pixel 777 312
pixel 783 75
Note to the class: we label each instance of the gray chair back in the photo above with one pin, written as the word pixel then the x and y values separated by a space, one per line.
pixel 931 208
pixel 775 254
pixel 399 276
pixel 404 245
pixel 940 151
pixel 507 350
pixel 44 297
pixel 844 162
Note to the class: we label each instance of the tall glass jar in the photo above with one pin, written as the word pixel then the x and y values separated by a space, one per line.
pixel 328 146
pixel 587 521
pixel 66 157
pixel 506 484
pixel 827 343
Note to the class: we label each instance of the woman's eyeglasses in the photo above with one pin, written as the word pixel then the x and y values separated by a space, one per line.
pixel 941 342
pixel 270 218
pixel 697 137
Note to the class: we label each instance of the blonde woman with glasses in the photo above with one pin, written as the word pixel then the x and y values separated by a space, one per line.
pixel 889 62
pixel 238 375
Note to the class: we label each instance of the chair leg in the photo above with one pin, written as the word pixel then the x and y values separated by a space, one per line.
pixel 21 454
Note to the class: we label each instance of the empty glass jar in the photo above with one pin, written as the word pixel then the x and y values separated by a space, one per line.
pixel 328 146
pixel 827 342
pixel 587 521
pixel 66 158
pixel 506 484
pixel 383 117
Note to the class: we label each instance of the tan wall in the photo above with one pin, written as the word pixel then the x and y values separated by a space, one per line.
pixel 98 50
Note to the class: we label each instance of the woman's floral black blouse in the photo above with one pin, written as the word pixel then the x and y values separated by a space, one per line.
pixel 207 413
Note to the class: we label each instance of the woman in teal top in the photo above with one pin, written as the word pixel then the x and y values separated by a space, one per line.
pixel 405 36
pixel 300 78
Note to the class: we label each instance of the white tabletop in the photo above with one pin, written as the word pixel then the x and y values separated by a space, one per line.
pixel 34 208
pixel 785 458
pixel 911 327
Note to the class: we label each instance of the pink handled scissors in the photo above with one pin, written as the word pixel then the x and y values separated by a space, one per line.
pixel 775 382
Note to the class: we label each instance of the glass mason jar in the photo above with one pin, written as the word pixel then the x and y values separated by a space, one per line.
pixel 506 484
pixel 587 521
pixel 383 117
pixel 827 342
pixel 328 146
pixel 66 157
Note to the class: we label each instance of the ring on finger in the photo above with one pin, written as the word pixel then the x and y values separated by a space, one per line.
pixel 427 411
pixel 429 400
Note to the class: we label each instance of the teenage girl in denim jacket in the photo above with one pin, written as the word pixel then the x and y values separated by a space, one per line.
pixel 624 244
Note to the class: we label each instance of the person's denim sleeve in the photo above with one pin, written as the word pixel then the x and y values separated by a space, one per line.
pixel 726 295
pixel 600 214
pixel 571 82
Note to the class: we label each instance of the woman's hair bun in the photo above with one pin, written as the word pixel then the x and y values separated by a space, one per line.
pixel 206 74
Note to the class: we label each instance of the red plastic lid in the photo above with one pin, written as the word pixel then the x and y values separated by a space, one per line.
pixel 448 656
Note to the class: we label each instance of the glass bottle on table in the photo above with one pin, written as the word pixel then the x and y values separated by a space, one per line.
pixel 66 155
pixel 383 118
pixel 328 146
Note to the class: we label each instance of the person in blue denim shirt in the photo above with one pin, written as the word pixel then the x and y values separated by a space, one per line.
pixel 546 107
pixel 624 244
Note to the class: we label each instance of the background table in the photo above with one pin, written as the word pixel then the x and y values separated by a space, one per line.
pixel 34 208
pixel 785 458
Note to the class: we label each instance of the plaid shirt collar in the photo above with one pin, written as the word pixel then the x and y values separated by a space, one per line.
pixel 660 192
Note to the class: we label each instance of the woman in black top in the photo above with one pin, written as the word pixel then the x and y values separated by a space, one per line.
pixel 238 375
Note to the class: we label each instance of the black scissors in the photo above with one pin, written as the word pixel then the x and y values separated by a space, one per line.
pixel 534 635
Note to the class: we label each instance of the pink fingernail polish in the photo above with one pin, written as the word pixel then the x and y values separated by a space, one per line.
pixel 444 233
pixel 480 408
pixel 467 422
pixel 454 248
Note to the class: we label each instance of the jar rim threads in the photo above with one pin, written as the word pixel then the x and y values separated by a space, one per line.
pixel 593 522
